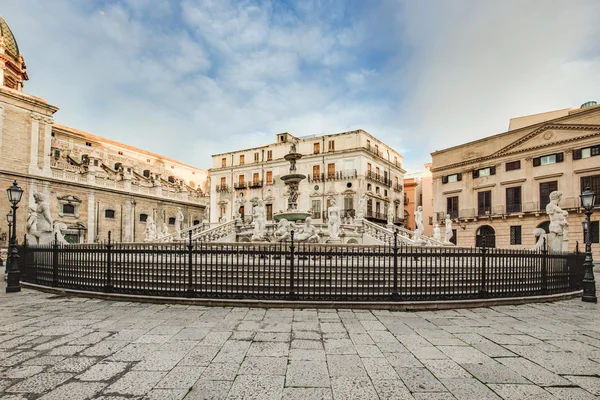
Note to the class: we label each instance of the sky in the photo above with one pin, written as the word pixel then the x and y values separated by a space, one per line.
pixel 191 78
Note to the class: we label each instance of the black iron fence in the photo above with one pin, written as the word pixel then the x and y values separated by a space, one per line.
pixel 300 271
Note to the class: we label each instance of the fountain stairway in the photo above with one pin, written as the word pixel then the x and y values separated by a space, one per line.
pixel 386 236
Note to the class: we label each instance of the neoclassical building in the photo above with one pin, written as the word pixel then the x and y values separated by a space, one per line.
pixel 94 185
pixel 499 186
pixel 341 167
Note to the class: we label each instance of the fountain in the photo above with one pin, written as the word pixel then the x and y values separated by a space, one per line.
pixel 292 180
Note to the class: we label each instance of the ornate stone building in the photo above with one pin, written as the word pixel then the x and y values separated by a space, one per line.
pixel 93 185
pixel 341 166
pixel 499 186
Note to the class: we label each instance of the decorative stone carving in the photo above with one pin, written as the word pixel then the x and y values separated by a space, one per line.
pixel 41 227
pixel 540 233
pixel 419 221
pixel 448 233
pixel 239 201
pixel 308 232
pixel 150 233
pixel 178 222
pixel 59 227
pixel 437 235
pixel 333 215
pixel 259 217
pixel 72 200
pixel 283 230
pixel 558 239
pixel 390 216
pixel 362 207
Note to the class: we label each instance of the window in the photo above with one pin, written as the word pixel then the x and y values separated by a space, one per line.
pixel 385 193
pixel 368 143
pixel 196 222
pixel 68 209
pixel 269 211
pixel 480 173
pixel 377 149
pixel 396 160
pixel 316 209
pixel 223 181
pixel 545 189
pixel 513 165
pixel 223 162
pixel 594 232
pixel 96 163
pixel 143 217
pixel 452 206
pixel 549 159
pixel 242 160
pixel 56 153
pixel 255 178
pixel 109 214
pixel 88 144
pixel 452 178
pixel 586 152
pixel 117 166
pixel 269 177
pixel 515 234
pixel 369 167
pixel 255 157
pixel 513 199
pixel 453 238
pixel 269 155
pixel 241 180
pixel 330 171
pixel 316 172
pixel 349 206
pixel 317 148
pixel 171 179
pixel 331 145
pixel 85 159
pixel 594 183
pixel 377 170
pixel 171 220
pixel 120 153
pixel 369 187
pixel 377 189
pixel 484 203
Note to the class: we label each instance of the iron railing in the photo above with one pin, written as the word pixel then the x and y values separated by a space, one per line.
pixel 333 176
pixel 301 271
pixel 513 208
pixel 378 178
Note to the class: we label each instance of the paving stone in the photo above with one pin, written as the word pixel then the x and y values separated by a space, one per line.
pixel 464 354
pixel 446 369
pixel 306 344
pixel 220 372
pixel 292 393
pixel 589 383
pixel 136 382
pixel 215 339
pixel 269 349
pixel 104 348
pixel 469 389
pixel 21 372
pixel 493 372
pixel 345 365
pixel 103 371
pixel 166 394
pixel 368 351
pixel 392 389
pixel 533 372
pixel 160 361
pixel 521 392
pixel 402 360
pixel 272 337
pixel 352 388
pixel 200 356
pixel 134 352
pixel 256 387
pixel 571 393
pixel 434 396
pixel 233 351
pixel 379 368
pixel 67 350
pixel 419 380
pixel 264 366
pixel 74 391
pixel 40 383
pixel 209 390
pixel 307 355
pixel 339 346
pixel 74 364
pixel 307 374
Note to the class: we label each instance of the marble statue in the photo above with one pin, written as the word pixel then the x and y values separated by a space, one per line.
pixel 419 221
pixel 308 232
pixel 44 225
pixel 238 204
pixel 165 231
pixel 448 234
pixel 31 226
pixel 59 227
pixel 540 233
pixel 150 232
pixel 333 215
pixel 259 217
pixel 178 221
pixel 437 235
pixel 558 236
pixel 283 230
pixel 390 216
pixel 362 206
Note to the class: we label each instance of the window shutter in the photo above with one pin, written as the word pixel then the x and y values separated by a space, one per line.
pixel 445 179
pixel 536 162
pixel 560 157
pixel 476 173
pixel 577 154
pixel 492 170
pixel 459 176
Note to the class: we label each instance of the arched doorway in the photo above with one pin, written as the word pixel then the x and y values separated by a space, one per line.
pixel 545 226
pixel 488 233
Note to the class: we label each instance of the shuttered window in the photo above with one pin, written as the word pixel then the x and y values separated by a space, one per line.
pixel 545 189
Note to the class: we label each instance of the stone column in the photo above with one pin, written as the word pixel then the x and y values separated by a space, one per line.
pixel 91 217
pixel 34 143
pixel 47 143
pixel 128 222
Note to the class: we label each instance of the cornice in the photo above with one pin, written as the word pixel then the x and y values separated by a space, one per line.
pixel 537 178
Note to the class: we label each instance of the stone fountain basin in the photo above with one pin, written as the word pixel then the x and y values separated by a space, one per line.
pixel 292 178
pixel 292 216
pixel 292 156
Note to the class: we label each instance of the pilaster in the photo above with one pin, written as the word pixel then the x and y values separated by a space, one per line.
pixel 1 124
pixel 128 221
pixel 91 228
pixel 34 143
pixel 47 144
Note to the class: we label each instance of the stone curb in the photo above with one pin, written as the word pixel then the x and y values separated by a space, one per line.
pixel 373 305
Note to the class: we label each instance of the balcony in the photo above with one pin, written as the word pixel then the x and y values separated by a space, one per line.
pixel 398 188
pixel 334 176
pixel 222 189
pixel 453 214
pixel 372 149
pixel 484 211
pixel 348 213
pixel 240 186
pixel 255 184
pixel 377 216
pixel 514 208
pixel 372 176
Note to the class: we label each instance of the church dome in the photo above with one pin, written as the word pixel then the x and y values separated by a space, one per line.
pixel 9 39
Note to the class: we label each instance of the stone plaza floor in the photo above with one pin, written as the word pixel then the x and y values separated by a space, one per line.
pixel 68 348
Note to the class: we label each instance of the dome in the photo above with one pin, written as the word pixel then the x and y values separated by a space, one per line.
pixel 9 39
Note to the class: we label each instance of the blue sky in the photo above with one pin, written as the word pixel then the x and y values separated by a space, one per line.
pixel 191 78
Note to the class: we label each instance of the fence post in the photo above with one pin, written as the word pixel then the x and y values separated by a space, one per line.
pixel 108 288
pixel 545 268
pixel 292 294
pixel 190 246
pixel 483 292
pixel 574 282
pixel 395 294
pixel 55 261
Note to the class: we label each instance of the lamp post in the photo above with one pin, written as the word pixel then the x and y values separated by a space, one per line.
pixel 9 219
pixel 14 275
pixel 588 199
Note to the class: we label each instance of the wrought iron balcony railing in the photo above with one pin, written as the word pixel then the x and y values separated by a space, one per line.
pixel 378 178
pixel 240 185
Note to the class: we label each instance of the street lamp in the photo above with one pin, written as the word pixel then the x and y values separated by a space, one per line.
pixel 9 219
pixel 14 275
pixel 588 199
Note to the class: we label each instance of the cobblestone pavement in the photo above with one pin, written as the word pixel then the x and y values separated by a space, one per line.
pixel 57 347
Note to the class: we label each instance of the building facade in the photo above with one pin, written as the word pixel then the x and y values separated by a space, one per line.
pixel 92 184
pixel 338 167
pixel 418 192
pixel 499 186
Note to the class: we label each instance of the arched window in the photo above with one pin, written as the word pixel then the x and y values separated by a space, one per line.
pixel 196 222
pixel 109 214
pixel 146 173
pixel 485 233
pixel 117 166
pixel 68 209
pixel 143 217
pixel 171 179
